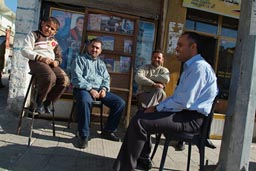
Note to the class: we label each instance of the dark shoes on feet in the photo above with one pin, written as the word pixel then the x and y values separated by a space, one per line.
pixel 48 109
pixel 208 143
pixel 82 142
pixel 180 146
pixel 110 136
pixel 144 163
pixel 43 108
pixel 40 108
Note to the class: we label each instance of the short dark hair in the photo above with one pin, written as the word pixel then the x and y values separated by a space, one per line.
pixel 53 19
pixel 157 51
pixel 194 38
pixel 96 40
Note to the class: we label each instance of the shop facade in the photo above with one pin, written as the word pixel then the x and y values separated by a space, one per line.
pixel 131 31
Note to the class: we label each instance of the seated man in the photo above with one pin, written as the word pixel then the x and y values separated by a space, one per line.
pixel 151 80
pixel 91 80
pixel 184 111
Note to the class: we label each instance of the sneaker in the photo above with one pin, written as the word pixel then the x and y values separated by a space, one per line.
pixel 82 142
pixel 40 108
pixel 180 146
pixel 48 109
pixel 110 136
pixel 144 163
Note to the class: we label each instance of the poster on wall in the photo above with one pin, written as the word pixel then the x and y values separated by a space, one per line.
pixel 107 23
pixel 69 35
pixel 230 8
pixel 173 36
pixel 145 46
pixel 145 43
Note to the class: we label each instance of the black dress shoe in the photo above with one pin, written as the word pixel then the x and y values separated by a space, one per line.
pixel 144 163
pixel 82 142
pixel 110 136
pixel 208 143
pixel 180 146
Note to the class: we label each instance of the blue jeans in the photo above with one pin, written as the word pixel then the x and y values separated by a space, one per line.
pixel 84 104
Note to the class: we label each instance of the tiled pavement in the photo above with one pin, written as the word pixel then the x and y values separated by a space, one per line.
pixel 48 153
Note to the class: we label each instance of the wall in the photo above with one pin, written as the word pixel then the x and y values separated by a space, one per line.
pixel 143 8
pixel 27 18
pixel 175 19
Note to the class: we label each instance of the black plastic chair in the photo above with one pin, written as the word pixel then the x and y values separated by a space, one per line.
pixel 31 110
pixel 198 139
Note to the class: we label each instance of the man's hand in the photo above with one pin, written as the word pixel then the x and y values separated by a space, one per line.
pixel 102 93
pixel 151 109
pixel 46 60
pixel 95 94
pixel 54 64
pixel 158 85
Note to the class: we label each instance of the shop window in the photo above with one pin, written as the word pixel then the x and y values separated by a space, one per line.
pixel 229 27
pixel 201 21
pixel 226 53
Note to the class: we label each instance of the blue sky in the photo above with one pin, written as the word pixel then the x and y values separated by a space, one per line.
pixel 11 4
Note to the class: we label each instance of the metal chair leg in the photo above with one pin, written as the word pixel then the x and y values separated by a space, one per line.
pixel 71 113
pixel 23 106
pixel 33 112
pixel 101 117
pixel 53 119
pixel 158 138
pixel 189 155
pixel 31 127
pixel 166 146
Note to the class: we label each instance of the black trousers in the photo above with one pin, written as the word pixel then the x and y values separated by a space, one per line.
pixel 137 140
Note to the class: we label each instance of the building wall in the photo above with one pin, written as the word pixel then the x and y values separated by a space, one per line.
pixel 27 18
pixel 175 20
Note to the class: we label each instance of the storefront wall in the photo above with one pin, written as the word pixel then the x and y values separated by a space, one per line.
pixel 35 9
pixel 174 17
pixel 219 37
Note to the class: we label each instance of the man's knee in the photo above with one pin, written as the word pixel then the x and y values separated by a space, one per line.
pixel 64 80
pixel 160 93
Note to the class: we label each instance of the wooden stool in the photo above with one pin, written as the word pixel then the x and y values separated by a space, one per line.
pixel 33 87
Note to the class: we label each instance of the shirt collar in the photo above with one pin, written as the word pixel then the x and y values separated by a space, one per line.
pixel 192 60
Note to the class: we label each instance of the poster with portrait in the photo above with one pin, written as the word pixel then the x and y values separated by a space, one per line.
pixel 69 35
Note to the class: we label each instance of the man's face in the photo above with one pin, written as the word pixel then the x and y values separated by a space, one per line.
pixel 157 59
pixel 94 49
pixel 49 28
pixel 185 49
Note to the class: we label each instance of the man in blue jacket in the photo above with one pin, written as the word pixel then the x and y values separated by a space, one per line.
pixel 91 80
